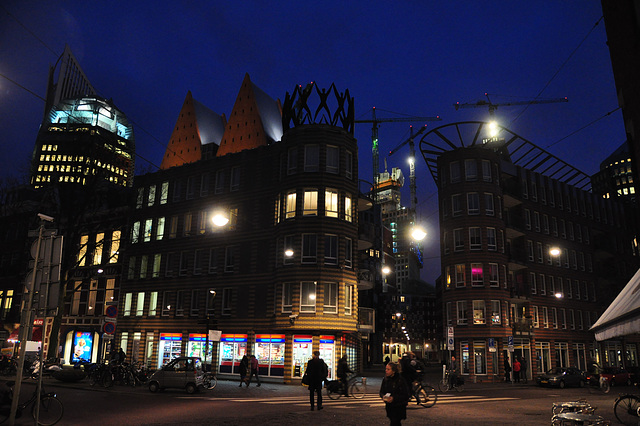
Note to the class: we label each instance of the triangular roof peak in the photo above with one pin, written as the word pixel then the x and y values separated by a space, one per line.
pixel 255 121
pixel 196 125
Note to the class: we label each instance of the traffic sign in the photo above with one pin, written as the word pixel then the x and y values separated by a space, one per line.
pixel 111 311
pixel 109 328
pixel 510 343
pixel 450 345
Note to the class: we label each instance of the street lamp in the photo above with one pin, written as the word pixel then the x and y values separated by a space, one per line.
pixel 220 219
pixel 418 233
pixel 386 270
pixel 554 251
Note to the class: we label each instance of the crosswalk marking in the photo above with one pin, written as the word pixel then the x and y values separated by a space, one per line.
pixel 372 400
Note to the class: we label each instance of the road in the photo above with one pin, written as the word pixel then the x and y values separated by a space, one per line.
pixel 282 405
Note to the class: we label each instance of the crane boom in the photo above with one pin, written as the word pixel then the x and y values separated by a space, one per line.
pixel 374 139
pixel 494 106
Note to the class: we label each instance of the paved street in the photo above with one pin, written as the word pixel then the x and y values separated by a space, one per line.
pixel 277 404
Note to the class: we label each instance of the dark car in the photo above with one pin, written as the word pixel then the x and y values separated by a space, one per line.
pixel 616 376
pixel 182 372
pixel 561 377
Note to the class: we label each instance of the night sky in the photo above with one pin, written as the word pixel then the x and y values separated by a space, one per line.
pixel 406 58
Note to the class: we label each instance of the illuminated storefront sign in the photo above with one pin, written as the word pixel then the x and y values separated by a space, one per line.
pixel 269 350
pixel 232 348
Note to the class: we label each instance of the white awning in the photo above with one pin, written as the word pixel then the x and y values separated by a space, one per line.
pixel 622 317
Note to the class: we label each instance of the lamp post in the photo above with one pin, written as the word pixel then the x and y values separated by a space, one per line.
pixel 206 346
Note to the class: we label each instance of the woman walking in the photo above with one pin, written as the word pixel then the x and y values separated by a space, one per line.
pixel 394 391
pixel 244 369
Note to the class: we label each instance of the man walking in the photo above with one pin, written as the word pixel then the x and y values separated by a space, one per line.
pixel 254 370
pixel 317 371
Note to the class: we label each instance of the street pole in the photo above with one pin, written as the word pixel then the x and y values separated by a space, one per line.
pixel 24 327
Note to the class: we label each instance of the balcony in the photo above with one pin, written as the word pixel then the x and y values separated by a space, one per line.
pixel 366 320
pixel 366 279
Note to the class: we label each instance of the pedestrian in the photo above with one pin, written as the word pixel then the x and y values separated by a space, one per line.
pixel 453 373
pixel 121 356
pixel 507 370
pixel 407 369
pixel 386 360
pixel 317 371
pixel 394 391
pixel 516 370
pixel 343 374
pixel 523 369
pixel 244 369
pixel 254 370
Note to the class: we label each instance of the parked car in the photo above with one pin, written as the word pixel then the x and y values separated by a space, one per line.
pixel 616 376
pixel 561 377
pixel 182 372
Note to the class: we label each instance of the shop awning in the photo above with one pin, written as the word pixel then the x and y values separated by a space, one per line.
pixel 622 317
pixel 36 335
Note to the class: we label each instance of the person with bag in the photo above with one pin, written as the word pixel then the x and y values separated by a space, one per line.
pixel 317 372
pixel 394 391
pixel 254 370
pixel 516 370
pixel 244 369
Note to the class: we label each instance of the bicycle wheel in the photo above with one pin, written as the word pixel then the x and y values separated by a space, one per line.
pixel 209 381
pixel 50 412
pixel 426 396
pixel 107 379
pixel 626 409
pixel 358 389
pixel 335 393
pixel 460 387
pixel 605 386
pixel 443 385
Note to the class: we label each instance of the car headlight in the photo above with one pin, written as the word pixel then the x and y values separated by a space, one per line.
pixel 553 379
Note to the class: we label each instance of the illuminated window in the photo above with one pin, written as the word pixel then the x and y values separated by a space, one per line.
pixel 151 197
pixel 97 253
pixel 348 209
pixel 478 312
pixel 140 304
pixel 127 304
pixel 160 228
pixel 331 203
pixel 308 296
pixel 82 253
pixel 148 223
pixel 290 207
pixel 348 299
pixel 477 278
pixel 115 246
pixel 157 258
pixel 310 203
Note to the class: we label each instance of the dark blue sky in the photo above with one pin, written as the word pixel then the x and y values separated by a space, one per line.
pixel 412 57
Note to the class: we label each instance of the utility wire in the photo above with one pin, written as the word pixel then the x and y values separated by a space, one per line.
pixel 559 69
pixel 583 127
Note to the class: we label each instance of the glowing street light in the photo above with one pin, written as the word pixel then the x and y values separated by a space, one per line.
pixel 493 129
pixel 554 251
pixel 418 233
pixel 288 252
pixel 386 270
pixel 219 219
pixel 558 295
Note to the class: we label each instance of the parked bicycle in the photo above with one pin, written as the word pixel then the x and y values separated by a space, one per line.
pixel 209 380
pixel 423 393
pixel 357 387
pixel 49 411
pixel 446 384
pixel 626 408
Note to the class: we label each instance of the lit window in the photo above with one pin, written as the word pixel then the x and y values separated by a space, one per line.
pixel 310 203
pixel 290 208
pixel 308 296
pixel 331 203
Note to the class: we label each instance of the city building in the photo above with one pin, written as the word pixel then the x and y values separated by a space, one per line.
pixel 504 205
pixel 615 178
pixel 245 242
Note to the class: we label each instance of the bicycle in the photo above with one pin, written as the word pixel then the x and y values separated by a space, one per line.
pixel 626 408
pixel 357 388
pixel 209 380
pixel 50 408
pixel 424 393
pixel 597 383
pixel 445 384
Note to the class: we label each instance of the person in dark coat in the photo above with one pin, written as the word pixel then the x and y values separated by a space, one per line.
pixel 317 371
pixel 244 369
pixel 343 374
pixel 394 391
pixel 507 370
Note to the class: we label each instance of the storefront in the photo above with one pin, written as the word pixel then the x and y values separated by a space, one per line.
pixel 170 347
pixel 269 350
pixel 196 345
pixel 302 353
pixel 232 348
pixel 327 353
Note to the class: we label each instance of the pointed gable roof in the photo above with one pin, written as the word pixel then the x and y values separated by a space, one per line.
pixel 256 120
pixel 196 125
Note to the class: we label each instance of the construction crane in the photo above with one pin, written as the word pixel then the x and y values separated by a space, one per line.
pixel 494 106
pixel 374 139
pixel 412 164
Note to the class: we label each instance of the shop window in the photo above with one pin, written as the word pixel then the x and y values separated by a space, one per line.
pixel 480 357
